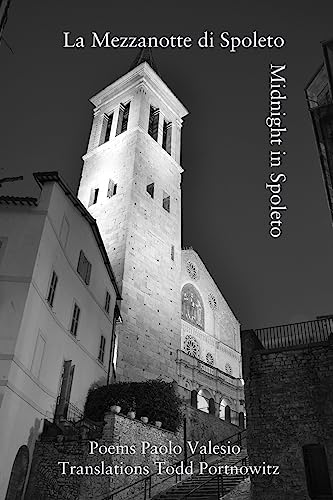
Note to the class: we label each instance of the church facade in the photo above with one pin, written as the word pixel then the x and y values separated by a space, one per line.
pixel 176 323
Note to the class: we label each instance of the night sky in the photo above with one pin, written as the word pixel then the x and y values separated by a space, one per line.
pixel 46 117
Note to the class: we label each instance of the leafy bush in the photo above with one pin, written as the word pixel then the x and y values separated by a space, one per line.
pixel 154 399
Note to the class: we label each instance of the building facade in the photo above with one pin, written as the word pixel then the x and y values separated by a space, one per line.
pixel 57 316
pixel 176 324
pixel 209 359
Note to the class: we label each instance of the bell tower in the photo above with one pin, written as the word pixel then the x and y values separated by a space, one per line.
pixel 131 184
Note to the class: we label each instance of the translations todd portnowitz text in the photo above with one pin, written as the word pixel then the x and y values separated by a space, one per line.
pixel 277 130
pixel 162 465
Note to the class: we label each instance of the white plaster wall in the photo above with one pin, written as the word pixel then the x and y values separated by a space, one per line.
pixel 32 252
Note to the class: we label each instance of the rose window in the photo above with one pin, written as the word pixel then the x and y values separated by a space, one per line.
pixel 209 358
pixel 191 346
pixel 228 369
pixel 212 301
pixel 192 270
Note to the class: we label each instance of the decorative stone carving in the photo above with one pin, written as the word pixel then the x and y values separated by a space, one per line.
pixel 228 369
pixel 191 346
pixel 209 358
pixel 212 301
pixel 192 270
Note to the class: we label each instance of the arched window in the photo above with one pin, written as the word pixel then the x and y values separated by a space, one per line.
pixel 192 306
pixel 203 400
pixel 241 422
pixel 211 406
pixel 225 409
pixel 18 474
pixel 194 399
pixel 191 346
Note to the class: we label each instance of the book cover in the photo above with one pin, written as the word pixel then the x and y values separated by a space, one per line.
pixel 165 250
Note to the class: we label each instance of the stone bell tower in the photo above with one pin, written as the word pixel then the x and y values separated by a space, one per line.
pixel 131 184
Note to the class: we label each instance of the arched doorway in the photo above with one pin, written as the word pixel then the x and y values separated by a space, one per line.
pixel 18 474
pixel 194 399
pixel 225 406
pixel 203 400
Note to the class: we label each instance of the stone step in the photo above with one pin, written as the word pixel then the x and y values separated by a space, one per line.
pixel 204 491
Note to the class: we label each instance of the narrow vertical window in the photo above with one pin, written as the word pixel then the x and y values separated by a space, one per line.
pixel 101 349
pixel 52 289
pixel 84 268
pixel 112 188
pixel 107 302
pixel 150 189
pixel 93 196
pixel 123 118
pixel 75 320
pixel 172 252
pixel 167 130
pixel 166 201
pixel 153 122
pixel 109 120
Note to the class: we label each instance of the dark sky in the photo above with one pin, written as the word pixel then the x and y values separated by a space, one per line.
pixel 46 118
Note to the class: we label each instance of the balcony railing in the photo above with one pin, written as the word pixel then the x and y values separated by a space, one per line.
pixel 204 367
pixel 294 334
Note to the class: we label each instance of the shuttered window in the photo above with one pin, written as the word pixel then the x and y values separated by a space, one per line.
pixel 167 131
pixel 123 118
pixel 75 320
pixel 153 122
pixel 101 349
pixel 84 268
pixel 52 289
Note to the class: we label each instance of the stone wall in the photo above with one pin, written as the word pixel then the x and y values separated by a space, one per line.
pixel 289 403
pixel 205 427
pixel 46 481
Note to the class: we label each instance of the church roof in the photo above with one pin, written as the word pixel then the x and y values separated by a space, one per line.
pixel 145 55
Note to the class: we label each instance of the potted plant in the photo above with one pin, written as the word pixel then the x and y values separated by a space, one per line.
pixel 131 411
pixel 115 408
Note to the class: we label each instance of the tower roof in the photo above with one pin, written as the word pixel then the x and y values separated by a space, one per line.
pixel 145 55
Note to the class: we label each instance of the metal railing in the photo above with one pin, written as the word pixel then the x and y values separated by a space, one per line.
pixel 220 489
pixel 307 332
pixel 148 482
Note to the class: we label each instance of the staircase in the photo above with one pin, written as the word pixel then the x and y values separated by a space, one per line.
pixel 206 486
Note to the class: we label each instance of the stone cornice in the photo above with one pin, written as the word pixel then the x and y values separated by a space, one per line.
pixel 142 74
